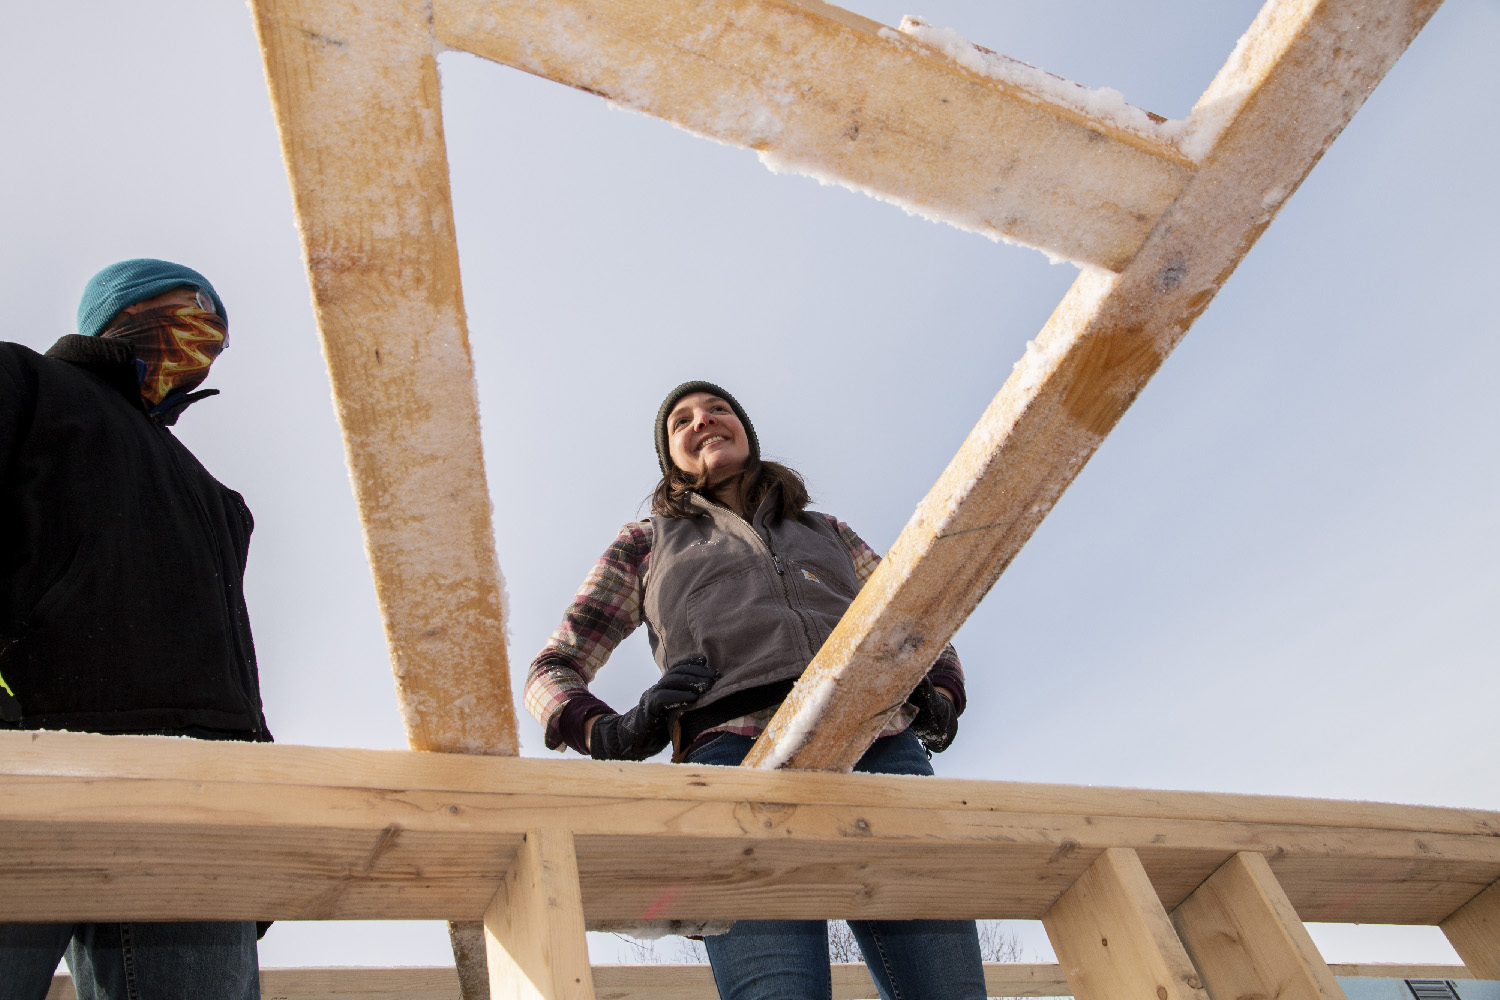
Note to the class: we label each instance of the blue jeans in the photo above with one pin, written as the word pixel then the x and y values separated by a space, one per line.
pixel 132 961
pixel 788 959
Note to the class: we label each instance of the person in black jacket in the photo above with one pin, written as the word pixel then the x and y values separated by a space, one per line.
pixel 122 607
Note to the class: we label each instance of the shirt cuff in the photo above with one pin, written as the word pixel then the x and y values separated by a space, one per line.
pixel 574 717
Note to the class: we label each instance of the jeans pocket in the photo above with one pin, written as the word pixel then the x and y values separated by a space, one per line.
pixel 64 586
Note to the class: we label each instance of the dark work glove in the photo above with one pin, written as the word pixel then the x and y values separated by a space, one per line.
pixel 937 717
pixel 645 729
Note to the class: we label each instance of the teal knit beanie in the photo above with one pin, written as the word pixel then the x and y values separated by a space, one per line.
pixel 131 281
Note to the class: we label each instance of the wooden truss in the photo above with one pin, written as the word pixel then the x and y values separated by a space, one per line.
pixel 1180 896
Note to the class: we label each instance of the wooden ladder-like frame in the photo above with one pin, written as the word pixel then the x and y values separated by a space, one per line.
pixel 1141 893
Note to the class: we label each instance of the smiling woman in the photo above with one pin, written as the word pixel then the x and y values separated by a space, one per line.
pixel 738 585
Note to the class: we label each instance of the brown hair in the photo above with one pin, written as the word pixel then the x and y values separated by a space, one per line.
pixel 673 494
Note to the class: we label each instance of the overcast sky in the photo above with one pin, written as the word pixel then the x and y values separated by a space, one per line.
pixel 1277 575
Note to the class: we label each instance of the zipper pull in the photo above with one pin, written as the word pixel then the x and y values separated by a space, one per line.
pixel 777 560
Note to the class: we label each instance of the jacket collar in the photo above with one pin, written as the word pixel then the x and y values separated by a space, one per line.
pixel 114 362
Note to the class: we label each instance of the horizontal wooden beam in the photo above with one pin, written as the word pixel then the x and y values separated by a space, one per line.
pixel 106 828
pixel 822 92
pixel 682 982
pixel 1294 81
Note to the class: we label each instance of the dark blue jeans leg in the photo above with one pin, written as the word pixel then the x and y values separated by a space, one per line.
pixel 772 960
pixel 784 959
pixel 29 954
pixel 165 961
pixel 917 959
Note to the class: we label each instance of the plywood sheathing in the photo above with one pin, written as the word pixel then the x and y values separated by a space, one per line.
pixel 819 91
pixel 1292 84
pixel 110 828
pixel 355 92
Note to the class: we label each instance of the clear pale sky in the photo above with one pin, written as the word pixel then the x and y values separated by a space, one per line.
pixel 1278 575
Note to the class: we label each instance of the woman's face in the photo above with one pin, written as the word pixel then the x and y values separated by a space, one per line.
pixel 704 435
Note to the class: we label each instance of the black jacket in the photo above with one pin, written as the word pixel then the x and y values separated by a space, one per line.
pixel 122 560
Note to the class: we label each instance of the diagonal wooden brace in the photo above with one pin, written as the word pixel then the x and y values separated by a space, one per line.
pixel 1246 939
pixel 1474 932
pixel 1297 77
pixel 1114 939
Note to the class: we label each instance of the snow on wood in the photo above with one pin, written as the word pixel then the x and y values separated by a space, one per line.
pixel 821 92
pixel 355 92
pixel 1293 82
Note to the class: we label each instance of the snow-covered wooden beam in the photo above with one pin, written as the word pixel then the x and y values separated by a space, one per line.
pixel 989 145
pixel 149 828
pixel 355 92
pixel 1292 84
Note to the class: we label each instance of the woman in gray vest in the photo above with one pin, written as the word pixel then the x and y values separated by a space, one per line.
pixel 738 585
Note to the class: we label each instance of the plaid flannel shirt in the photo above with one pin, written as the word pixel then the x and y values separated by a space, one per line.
pixel 607 608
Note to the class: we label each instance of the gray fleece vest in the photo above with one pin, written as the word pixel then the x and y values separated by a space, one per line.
pixel 758 599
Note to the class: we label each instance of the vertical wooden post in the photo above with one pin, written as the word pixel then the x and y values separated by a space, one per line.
pixel 1245 938
pixel 1474 932
pixel 1114 939
pixel 533 929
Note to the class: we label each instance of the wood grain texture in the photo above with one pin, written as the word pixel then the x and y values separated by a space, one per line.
pixel 681 982
pixel 1474 932
pixel 467 939
pixel 1113 938
pixel 1245 939
pixel 533 929
pixel 355 93
pixel 1297 77
pixel 99 827
pixel 819 91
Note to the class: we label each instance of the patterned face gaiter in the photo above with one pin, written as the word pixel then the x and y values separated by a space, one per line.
pixel 174 347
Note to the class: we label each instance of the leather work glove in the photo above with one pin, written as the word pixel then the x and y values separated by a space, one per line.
pixel 645 729
pixel 937 717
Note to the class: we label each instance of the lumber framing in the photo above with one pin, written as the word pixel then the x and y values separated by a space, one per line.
pixel 533 928
pixel 1113 939
pixel 683 982
pixel 105 828
pixel 819 91
pixel 1245 939
pixel 523 855
pixel 355 93
pixel 1474 932
pixel 1297 77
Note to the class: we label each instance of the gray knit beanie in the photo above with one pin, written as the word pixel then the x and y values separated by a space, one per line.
pixel 663 453
pixel 131 281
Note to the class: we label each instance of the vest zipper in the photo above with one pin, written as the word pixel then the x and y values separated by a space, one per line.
pixel 786 589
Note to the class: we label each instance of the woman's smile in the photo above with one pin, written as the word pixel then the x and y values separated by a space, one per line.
pixel 705 436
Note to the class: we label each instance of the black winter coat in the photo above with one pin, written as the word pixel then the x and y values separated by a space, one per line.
pixel 122 560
